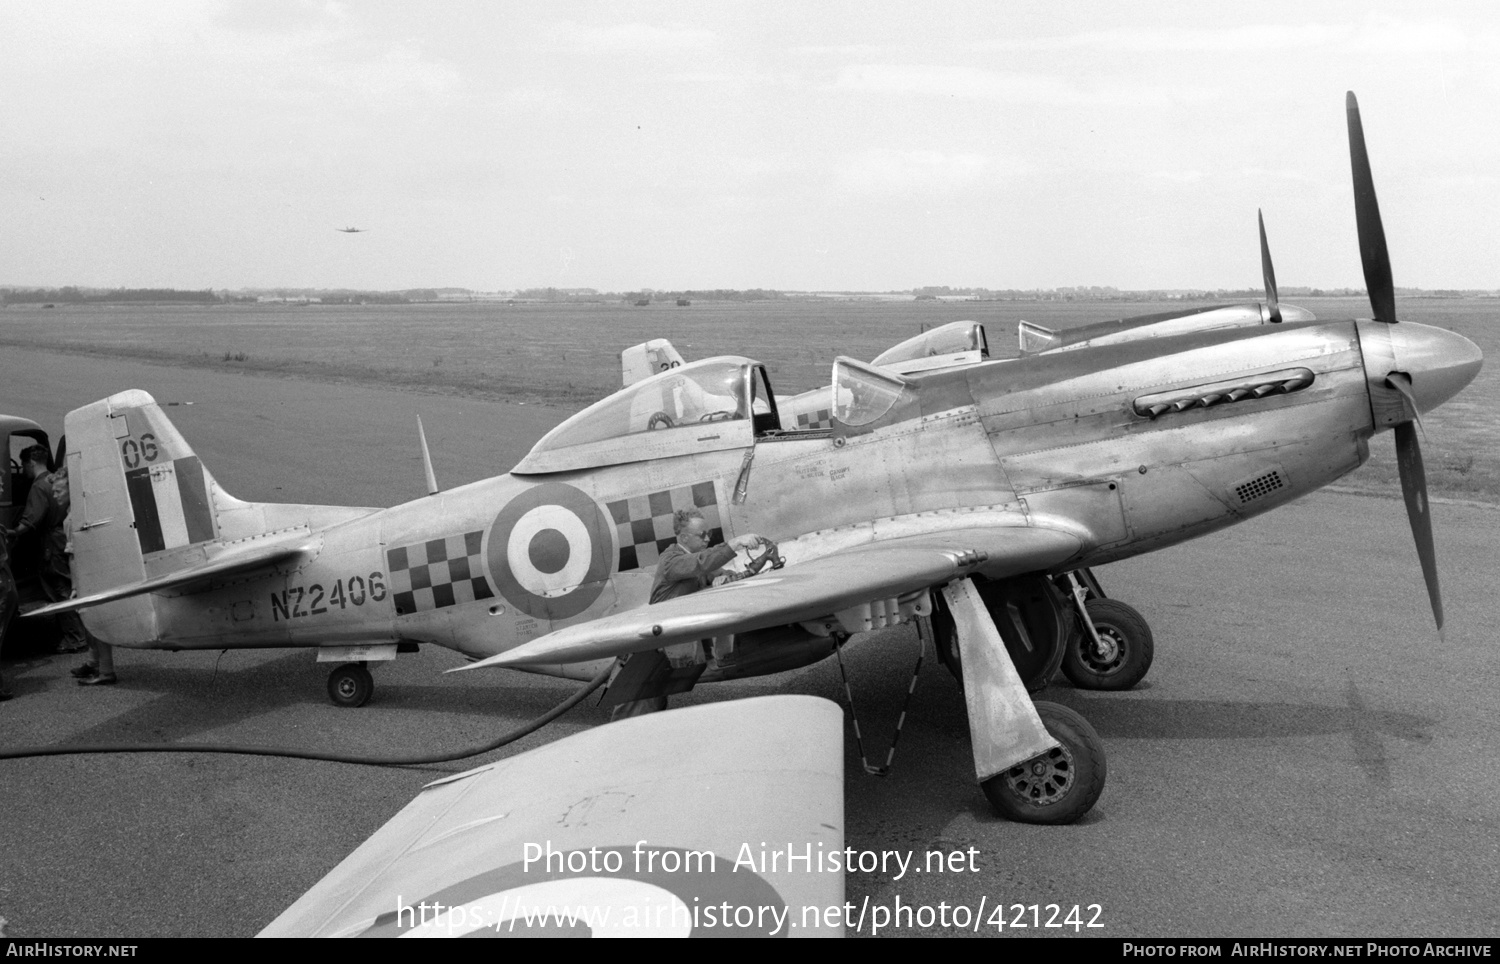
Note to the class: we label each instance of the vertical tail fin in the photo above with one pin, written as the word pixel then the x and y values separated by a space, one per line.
pixel 142 506
pixel 147 518
pixel 647 359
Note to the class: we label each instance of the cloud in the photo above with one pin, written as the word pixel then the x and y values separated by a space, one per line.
pixel 629 37
pixel 921 172
pixel 1178 177
pixel 738 79
pixel 1375 35
pixel 281 16
pixel 397 71
pixel 1012 88
pixel 538 99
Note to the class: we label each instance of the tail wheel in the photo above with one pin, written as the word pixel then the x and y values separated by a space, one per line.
pixel 1121 657
pixel 350 685
pixel 1059 786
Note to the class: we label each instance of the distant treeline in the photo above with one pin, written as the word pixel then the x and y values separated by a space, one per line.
pixel 349 296
pixel 366 297
pixel 707 294
pixel 74 296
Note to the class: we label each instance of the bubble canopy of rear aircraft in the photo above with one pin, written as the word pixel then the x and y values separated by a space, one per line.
pixel 702 406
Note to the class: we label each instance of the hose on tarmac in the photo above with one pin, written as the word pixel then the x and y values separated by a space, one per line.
pixel 378 761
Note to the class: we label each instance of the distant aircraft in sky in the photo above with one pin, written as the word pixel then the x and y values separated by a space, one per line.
pixel 352 230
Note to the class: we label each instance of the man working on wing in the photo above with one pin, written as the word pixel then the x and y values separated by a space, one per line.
pixel 688 565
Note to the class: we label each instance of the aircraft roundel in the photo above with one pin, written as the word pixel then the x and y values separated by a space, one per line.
pixel 550 550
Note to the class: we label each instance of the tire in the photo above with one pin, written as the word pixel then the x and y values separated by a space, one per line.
pixel 1048 622
pixel 350 685
pixel 1129 648
pixel 1059 786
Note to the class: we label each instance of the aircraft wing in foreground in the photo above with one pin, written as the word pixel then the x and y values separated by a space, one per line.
pixel 659 826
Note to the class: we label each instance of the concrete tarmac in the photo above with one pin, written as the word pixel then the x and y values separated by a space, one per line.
pixel 1306 757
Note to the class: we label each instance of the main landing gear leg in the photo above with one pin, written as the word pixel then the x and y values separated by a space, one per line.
pixel 1037 763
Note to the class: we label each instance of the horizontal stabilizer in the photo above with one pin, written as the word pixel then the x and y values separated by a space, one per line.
pixel 802 591
pixel 231 562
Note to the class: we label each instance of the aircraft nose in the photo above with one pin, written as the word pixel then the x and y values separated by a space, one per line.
pixel 1291 313
pixel 1439 363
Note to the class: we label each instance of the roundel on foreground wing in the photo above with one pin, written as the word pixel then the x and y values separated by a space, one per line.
pixel 614 892
pixel 549 551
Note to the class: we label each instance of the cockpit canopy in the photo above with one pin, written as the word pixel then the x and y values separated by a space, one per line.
pixel 946 346
pixel 702 406
pixel 863 393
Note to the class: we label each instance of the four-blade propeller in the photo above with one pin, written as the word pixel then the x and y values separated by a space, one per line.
pixel 1376 259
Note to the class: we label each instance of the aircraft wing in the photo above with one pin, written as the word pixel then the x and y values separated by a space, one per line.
pixel 223 564
pixel 811 590
pixel 657 826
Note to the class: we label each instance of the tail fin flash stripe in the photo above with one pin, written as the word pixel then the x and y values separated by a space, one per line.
pixel 194 494
pixel 143 504
pixel 168 497
pixel 170 502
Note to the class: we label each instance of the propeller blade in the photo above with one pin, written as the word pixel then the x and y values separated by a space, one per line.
pixel 1414 490
pixel 1372 250
pixel 1273 301
pixel 1401 382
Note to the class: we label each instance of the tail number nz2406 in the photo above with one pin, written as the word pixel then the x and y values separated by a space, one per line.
pixel 297 601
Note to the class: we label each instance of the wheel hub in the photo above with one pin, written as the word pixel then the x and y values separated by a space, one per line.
pixel 1107 654
pixel 1043 780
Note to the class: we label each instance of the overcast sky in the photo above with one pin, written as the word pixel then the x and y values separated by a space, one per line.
pixel 799 146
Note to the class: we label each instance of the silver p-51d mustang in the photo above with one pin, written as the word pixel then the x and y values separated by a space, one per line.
pixel 962 489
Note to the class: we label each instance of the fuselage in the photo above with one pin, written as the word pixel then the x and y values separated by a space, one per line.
pixel 1132 447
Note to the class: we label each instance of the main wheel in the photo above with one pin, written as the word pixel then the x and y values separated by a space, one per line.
pixel 1123 656
pixel 1059 786
pixel 1036 652
pixel 350 685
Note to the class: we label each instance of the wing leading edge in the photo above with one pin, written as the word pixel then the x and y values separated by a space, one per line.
pixel 803 591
